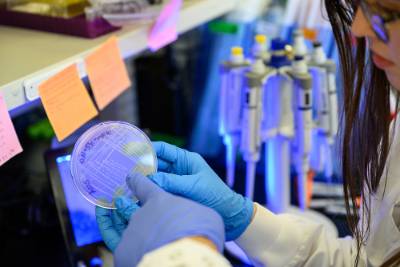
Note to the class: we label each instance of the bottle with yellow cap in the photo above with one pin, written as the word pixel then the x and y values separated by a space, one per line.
pixel 230 106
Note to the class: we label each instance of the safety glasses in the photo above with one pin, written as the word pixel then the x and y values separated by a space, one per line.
pixel 378 17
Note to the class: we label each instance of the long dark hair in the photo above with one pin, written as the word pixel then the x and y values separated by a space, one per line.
pixel 365 121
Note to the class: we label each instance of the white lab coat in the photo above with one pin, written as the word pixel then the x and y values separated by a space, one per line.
pixel 287 240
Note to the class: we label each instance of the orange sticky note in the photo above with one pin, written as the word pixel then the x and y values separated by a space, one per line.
pixel 9 143
pixel 107 73
pixel 66 102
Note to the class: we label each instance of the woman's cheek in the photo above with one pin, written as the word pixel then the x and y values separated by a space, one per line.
pixel 394 44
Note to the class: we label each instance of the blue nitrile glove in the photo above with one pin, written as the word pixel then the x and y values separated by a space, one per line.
pixel 187 174
pixel 112 223
pixel 161 219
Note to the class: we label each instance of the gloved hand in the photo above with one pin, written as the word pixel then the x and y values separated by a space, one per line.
pixel 187 174
pixel 162 218
pixel 112 223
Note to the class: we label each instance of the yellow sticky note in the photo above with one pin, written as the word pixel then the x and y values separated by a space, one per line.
pixel 9 143
pixel 66 102
pixel 107 73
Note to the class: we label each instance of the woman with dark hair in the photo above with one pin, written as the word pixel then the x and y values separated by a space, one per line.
pixel 368 37
pixel 370 149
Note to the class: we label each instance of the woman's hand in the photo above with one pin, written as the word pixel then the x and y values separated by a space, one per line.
pixel 132 231
pixel 112 223
pixel 187 174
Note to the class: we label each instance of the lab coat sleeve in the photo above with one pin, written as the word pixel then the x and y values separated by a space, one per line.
pixel 184 252
pixel 287 240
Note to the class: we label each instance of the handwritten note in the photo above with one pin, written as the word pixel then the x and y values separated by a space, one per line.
pixel 164 30
pixel 107 73
pixel 66 102
pixel 9 143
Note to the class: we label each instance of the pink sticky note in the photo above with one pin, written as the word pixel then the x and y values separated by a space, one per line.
pixel 9 143
pixel 164 31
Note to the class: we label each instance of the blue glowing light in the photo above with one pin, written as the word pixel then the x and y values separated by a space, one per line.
pixel 271 173
pixel 96 261
pixel 63 159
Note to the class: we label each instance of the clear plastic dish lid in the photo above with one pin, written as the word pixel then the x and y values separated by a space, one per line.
pixel 103 157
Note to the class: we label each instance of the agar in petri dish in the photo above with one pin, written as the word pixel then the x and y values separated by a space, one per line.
pixel 103 157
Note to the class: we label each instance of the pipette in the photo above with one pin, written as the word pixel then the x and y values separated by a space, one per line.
pixel 303 124
pixel 230 107
pixel 326 107
pixel 251 124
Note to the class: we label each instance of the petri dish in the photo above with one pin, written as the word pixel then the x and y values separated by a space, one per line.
pixel 103 157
